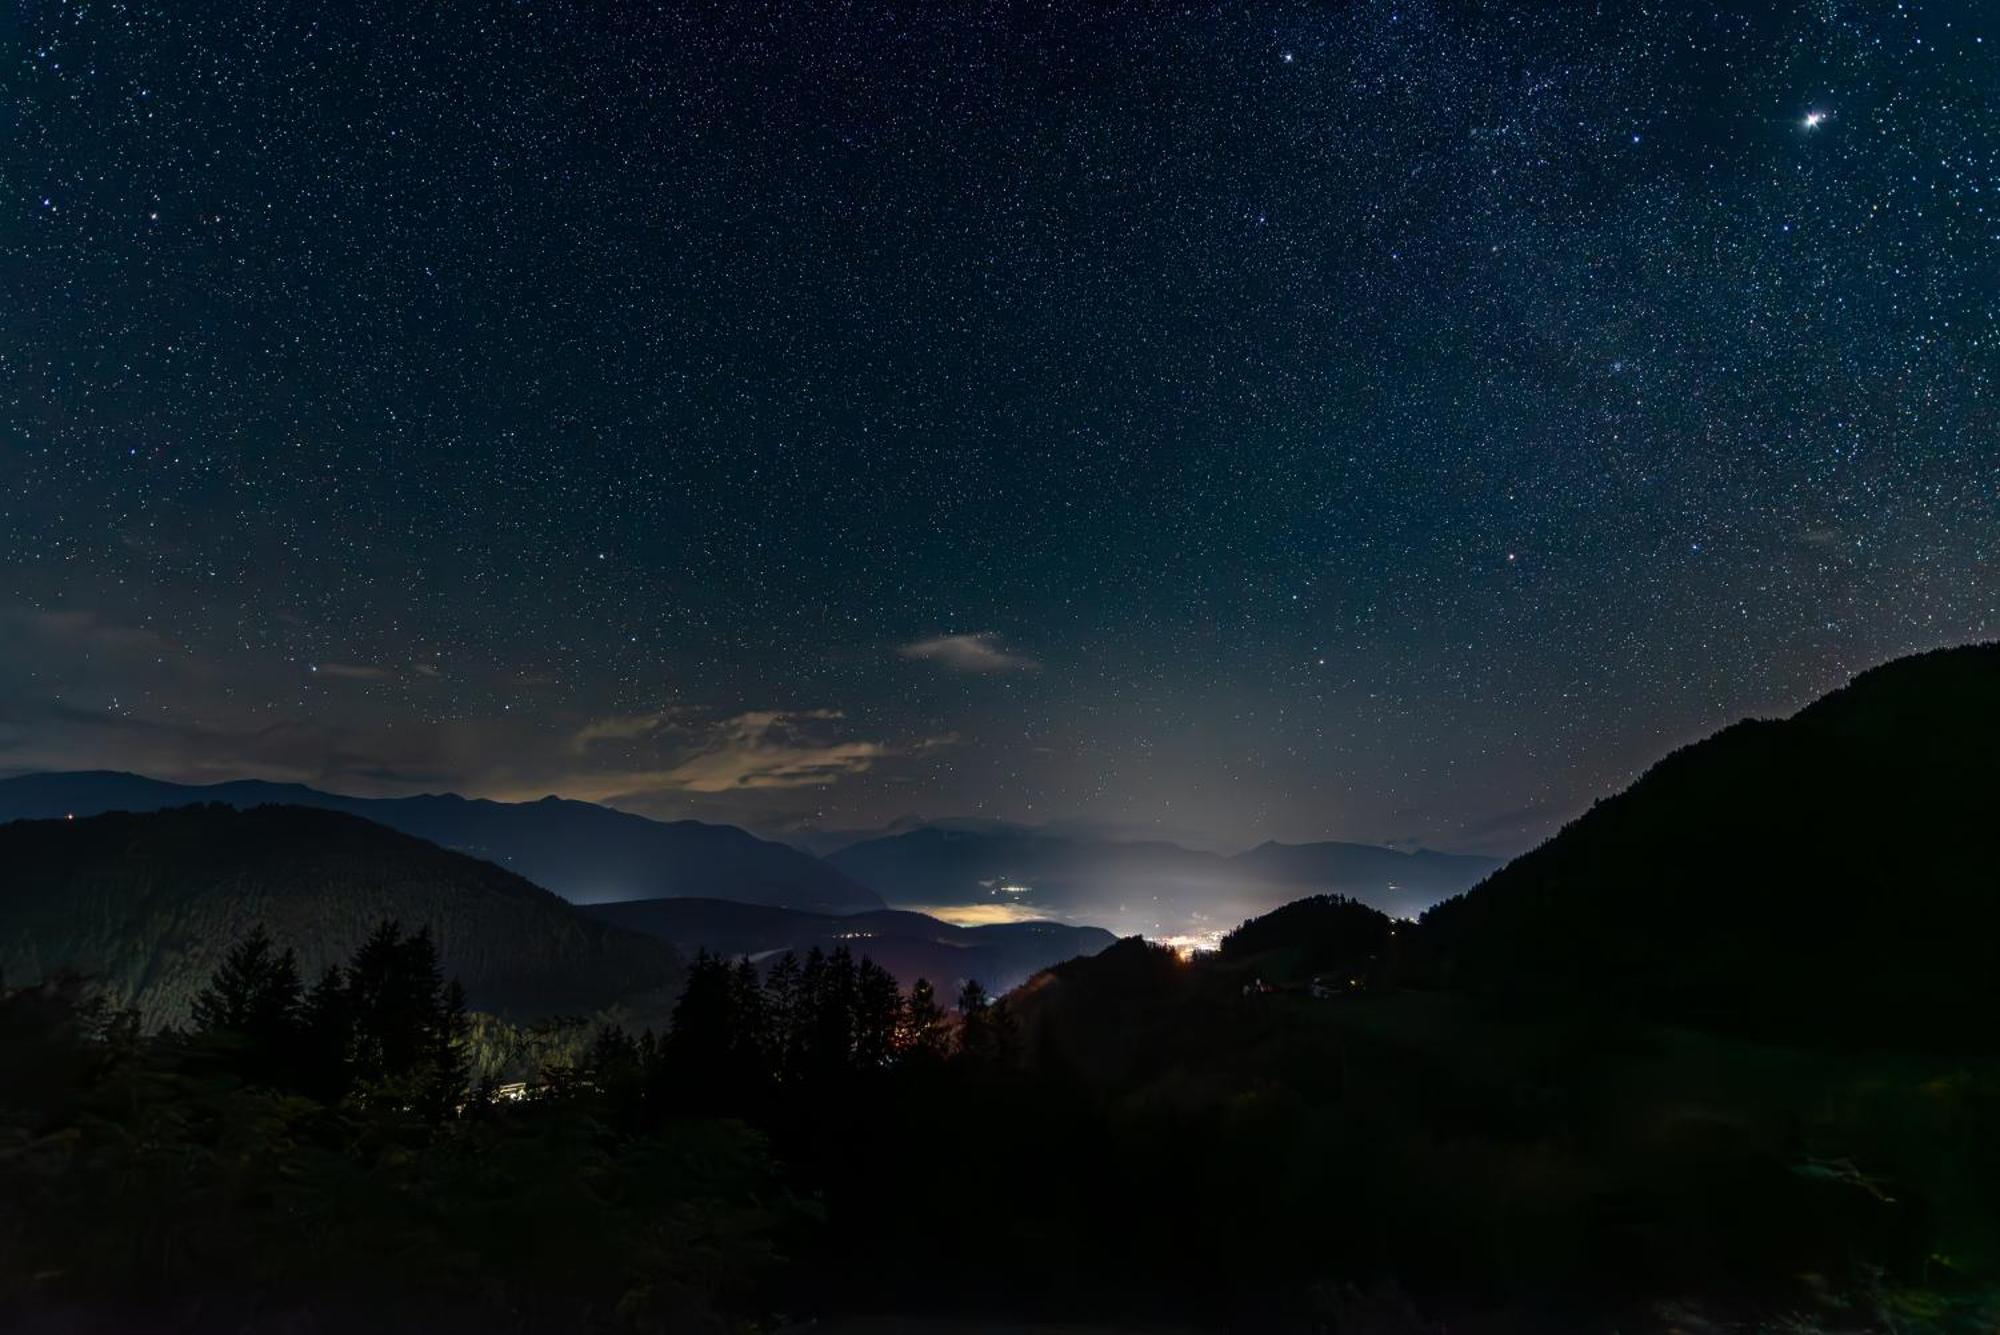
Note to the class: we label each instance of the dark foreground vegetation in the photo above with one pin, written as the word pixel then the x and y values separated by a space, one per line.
pixel 1272 1138
pixel 319 1158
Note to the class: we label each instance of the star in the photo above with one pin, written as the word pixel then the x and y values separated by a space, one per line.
pixel 1475 317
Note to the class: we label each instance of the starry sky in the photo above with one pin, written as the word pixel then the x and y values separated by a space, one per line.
pixel 1393 420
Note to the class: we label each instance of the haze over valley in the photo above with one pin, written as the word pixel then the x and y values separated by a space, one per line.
pixel 972 873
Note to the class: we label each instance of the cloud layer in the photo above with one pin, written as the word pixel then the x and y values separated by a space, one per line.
pixel 80 690
pixel 980 651
pixel 756 749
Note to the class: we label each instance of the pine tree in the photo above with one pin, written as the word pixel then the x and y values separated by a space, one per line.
pixel 256 990
pixel 974 1032
pixel 449 1071
pixel 833 1015
pixel 378 1006
pixel 782 1008
pixel 250 1009
pixel 806 1010
pixel 701 1045
pixel 922 1037
pixel 613 1052
pixel 614 1067
pixel 326 1033
pixel 407 1024
pixel 750 1026
pixel 1003 1033
pixel 878 1015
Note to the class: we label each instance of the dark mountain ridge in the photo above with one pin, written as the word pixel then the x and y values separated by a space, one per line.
pixel 582 851
pixel 146 904
pixel 1835 873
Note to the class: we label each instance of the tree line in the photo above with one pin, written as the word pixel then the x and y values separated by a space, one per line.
pixel 1140 1141
pixel 388 1025
pixel 744 1039
pixel 385 1025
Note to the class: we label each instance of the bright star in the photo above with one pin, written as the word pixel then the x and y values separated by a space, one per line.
pixel 1815 119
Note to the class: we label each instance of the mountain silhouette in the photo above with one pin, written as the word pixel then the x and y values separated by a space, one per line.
pixel 1835 874
pixel 146 905
pixel 582 851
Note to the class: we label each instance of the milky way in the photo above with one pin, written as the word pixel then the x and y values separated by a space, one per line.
pixel 1391 421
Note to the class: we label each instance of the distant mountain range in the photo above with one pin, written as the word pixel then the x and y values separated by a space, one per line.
pixel 969 868
pixel 1835 874
pixel 582 851
pixel 1833 871
pixel 909 945
pixel 146 905
pixel 1149 887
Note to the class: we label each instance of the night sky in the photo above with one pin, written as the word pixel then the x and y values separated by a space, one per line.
pixel 1391 421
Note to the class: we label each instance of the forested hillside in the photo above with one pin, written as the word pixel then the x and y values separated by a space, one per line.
pixel 146 905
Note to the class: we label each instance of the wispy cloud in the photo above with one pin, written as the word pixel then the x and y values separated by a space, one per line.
pixel 620 728
pixel 979 651
pixel 79 689
pixel 353 671
pixel 774 749
pixel 81 631
pixel 676 750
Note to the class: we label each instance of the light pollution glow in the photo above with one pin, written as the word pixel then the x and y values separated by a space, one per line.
pixel 981 915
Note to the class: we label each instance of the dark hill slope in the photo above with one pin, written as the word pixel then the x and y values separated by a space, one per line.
pixel 1833 875
pixel 147 904
pixel 580 850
